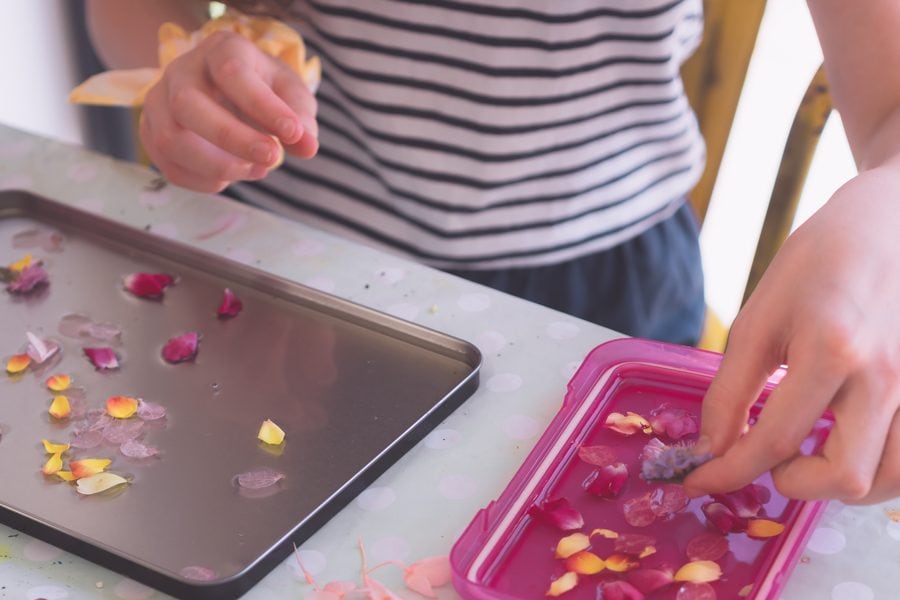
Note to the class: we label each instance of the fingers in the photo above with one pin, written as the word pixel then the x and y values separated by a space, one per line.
pixel 887 479
pixel 289 87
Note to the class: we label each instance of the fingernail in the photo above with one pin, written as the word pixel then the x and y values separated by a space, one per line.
pixel 703 445
pixel 262 153
pixel 310 126
pixel 286 128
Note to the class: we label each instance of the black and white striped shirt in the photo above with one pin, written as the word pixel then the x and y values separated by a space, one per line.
pixel 474 134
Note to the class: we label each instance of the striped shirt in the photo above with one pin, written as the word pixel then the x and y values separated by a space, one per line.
pixel 476 134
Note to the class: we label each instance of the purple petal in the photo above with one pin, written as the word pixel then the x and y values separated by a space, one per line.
pixel 87 439
pixel 258 479
pixel 30 278
pixel 123 430
pixel 136 449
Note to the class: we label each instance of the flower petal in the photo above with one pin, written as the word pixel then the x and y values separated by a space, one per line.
pixel 707 546
pixel 17 363
pixel 65 475
pixel 58 383
pixel 607 533
pixel 258 479
pixel 19 265
pixel 103 359
pixel 31 278
pixel 270 433
pixel 585 563
pixel 59 407
pixel 675 423
pixel 559 513
pixel 571 544
pixel 745 502
pixel 54 448
pixel 599 456
pixel 424 575
pixel 181 348
pixel 230 306
pixel 53 464
pixel 40 350
pixel 94 484
pixel 85 440
pixel 721 517
pixel 763 528
pixel 121 407
pixel 607 481
pixel 699 571
pixel 639 511
pixel 695 591
pixel 620 563
pixel 136 449
pixel 150 411
pixel 562 585
pixel 121 430
pixel 618 590
pixel 628 424
pixel 669 499
pixel 148 285
pixel 88 466
pixel 649 580
pixel 634 544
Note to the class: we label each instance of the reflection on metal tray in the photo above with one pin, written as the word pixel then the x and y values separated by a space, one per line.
pixel 352 387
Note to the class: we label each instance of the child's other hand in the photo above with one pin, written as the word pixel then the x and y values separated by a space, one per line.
pixel 212 117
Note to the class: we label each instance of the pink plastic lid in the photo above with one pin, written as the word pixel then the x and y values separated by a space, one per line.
pixel 508 550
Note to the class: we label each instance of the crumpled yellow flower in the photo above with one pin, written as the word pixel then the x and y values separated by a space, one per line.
pixel 128 87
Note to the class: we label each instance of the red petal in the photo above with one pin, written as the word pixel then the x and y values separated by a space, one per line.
pixel 618 590
pixel 721 517
pixel 599 456
pixel 745 502
pixel 231 305
pixel 675 423
pixel 696 591
pixel 639 511
pixel 633 544
pixel 148 285
pixel 707 546
pixel 30 279
pixel 558 513
pixel 259 478
pixel 181 348
pixel 649 580
pixel 103 359
pixel 607 481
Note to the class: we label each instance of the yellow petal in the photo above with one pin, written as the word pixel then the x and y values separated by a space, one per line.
pixel 628 423
pixel 745 591
pixel 53 464
pixel 571 544
pixel 271 433
pixel 60 408
pixel 99 482
pixel 620 563
pixel 763 528
pixel 607 533
pixel 585 563
pixel 53 448
pixel 121 407
pixel 88 466
pixel 563 584
pixel 58 383
pixel 116 88
pixel 20 264
pixel 699 571
pixel 65 475
pixel 17 363
pixel 647 552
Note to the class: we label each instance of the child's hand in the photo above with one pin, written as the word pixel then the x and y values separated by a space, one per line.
pixel 211 119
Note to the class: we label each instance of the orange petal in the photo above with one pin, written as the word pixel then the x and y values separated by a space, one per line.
pixel 17 363
pixel 571 544
pixel 88 466
pixel 607 533
pixel 60 408
pixel 270 433
pixel 620 563
pixel 628 424
pixel 121 407
pixel 65 475
pixel 53 448
pixel 99 482
pixel 745 591
pixel 563 584
pixel 20 264
pixel 53 464
pixel 585 563
pixel 763 528
pixel 699 571
pixel 58 383
pixel 647 552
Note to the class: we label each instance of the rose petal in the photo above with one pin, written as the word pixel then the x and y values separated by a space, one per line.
pixel 51 241
pixel 745 591
pixel 21 264
pixel 585 563
pixel 639 511
pixel 721 517
pixel 150 411
pixel 674 423
pixel 634 544
pixel 59 407
pixel 571 544
pixel 699 571
pixel 628 424
pixel 763 528
pixel 607 533
pixel 562 585
pixel 607 482
pixel 53 464
pixel 695 591
pixel 618 590
pixel 17 363
pixel 707 546
pixel 339 587
pixel 620 563
pixel 197 573
pixel 40 350
pixel 258 479
pixel 103 359
pixel 377 591
pixel 649 580
pixel 558 513
pixel 88 466
pixel 745 502
pixel 424 575
pixel 79 326
pixel 58 383
pixel 54 448
pixel 599 456
pixel 121 407
pixel 65 475
pixel 181 348
pixel 669 499
pixel 136 449
pixel 100 482
pixel 230 306
pixel 85 440
pixel 148 285
pixel 31 278
pixel 270 433
pixel 121 431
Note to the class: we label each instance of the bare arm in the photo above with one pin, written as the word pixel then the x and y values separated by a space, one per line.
pixel 124 31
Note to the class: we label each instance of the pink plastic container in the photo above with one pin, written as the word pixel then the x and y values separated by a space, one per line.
pixel 507 553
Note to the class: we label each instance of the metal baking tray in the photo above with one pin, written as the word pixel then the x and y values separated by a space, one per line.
pixel 353 388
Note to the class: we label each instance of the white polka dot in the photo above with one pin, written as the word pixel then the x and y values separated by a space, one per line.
pixel 852 590
pixel 169 230
pixel 403 310
pixel 155 199
pixel 46 592
pixel 504 382
pixel 241 255
pixel 39 551
pixel 893 530
pixel 560 330
pixel 521 427
pixel 388 548
pixel 390 275
pixel 82 172
pixel 376 498
pixel 321 283
pixel 313 561
pixel 456 487
pixel 307 247
pixel 568 370
pixel 474 302
pixel 491 342
pixel 132 590
pixel 16 182
pixel 826 540
pixel 441 439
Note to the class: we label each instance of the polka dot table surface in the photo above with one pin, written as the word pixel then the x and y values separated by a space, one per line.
pixel 421 504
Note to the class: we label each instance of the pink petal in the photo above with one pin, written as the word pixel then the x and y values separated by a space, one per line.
pixel 696 591
pixel 668 499
pixel 745 502
pixel 87 439
pixel 649 580
pixel 31 278
pixel 618 590
pixel 559 513
pixel 721 517
pixel 599 456
pixel 707 546
pixel 123 430
pixel 428 573
pixel 197 573
pixel 339 587
pixel 51 241
pixel 40 350
pixel 259 478
pixel 148 285
pixel 150 411
pixel 607 481
pixel 181 348
pixel 633 544
pixel 136 449
pixel 231 305
pixel 375 590
pixel 103 359
pixel 82 327
pixel 672 422
pixel 639 511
